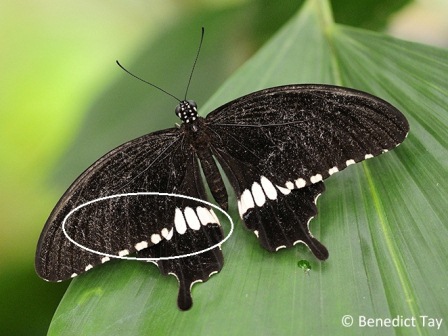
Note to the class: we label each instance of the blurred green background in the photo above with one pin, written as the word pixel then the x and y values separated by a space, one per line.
pixel 57 61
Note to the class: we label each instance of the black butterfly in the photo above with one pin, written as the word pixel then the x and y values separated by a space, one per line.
pixel 276 147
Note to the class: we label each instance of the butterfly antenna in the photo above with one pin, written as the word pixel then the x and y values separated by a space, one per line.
pixel 194 64
pixel 153 85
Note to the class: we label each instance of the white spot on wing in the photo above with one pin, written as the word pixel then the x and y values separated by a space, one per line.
pixel 105 259
pixel 246 202
pixel 256 233
pixel 316 178
pixel 368 156
pixel 192 218
pixel 280 247
pixel 268 188
pixel 142 245
pixel 123 253
pixel 175 275
pixel 300 183
pixel 73 275
pixel 88 267
pixel 349 162
pixel 179 222
pixel 204 215
pixel 333 170
pixel 385 150
pixel 216 220
pixel 308 224
pixel 289 185
pixel 284 191
pixel 259 196
pixel 170 234
pixel 299 241
pixel 195 282
pixel 164 232
pixel 155 238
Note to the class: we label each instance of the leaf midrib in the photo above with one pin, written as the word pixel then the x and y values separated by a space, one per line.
pixel 329 28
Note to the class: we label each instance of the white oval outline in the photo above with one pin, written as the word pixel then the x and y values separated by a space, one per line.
pixel 147 259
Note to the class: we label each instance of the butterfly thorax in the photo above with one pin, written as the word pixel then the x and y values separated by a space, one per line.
pixel 187 111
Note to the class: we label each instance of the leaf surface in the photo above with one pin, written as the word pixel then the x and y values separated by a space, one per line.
pixel 382 221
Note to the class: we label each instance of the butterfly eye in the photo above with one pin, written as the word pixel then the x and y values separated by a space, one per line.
pixel 178 110
pixel 192 103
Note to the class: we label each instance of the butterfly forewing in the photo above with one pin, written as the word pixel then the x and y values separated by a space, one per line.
pixel 305 133
pixel 150 163
pixel 154 225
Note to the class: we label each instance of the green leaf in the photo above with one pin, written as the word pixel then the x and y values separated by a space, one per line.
pixel 381 220
pixel 130 108
pixel 369 14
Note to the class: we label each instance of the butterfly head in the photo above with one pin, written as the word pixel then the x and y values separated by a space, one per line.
pixel 187 111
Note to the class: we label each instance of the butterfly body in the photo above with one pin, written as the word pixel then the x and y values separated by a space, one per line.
pixel 197 136
pixel 276 147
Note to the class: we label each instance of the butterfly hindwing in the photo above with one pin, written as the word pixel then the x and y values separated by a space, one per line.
pixel 278 216
pixel 196 228
pixel 191 269
pixel 284 221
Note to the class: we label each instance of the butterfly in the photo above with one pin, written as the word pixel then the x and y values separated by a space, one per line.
pixel 276 147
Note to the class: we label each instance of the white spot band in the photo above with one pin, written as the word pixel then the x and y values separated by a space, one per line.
pixel 217 245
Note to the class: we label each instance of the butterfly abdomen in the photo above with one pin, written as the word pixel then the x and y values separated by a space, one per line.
pixel 213 177
pixel 200 141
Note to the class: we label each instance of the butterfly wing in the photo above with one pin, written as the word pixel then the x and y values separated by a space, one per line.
pixel 272 142
pixel 296 133
pixel 285 222
pixel 155 162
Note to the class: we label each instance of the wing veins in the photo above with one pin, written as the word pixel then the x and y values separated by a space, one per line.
pixel 151 163
pixel 236 140
pixel 265 125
